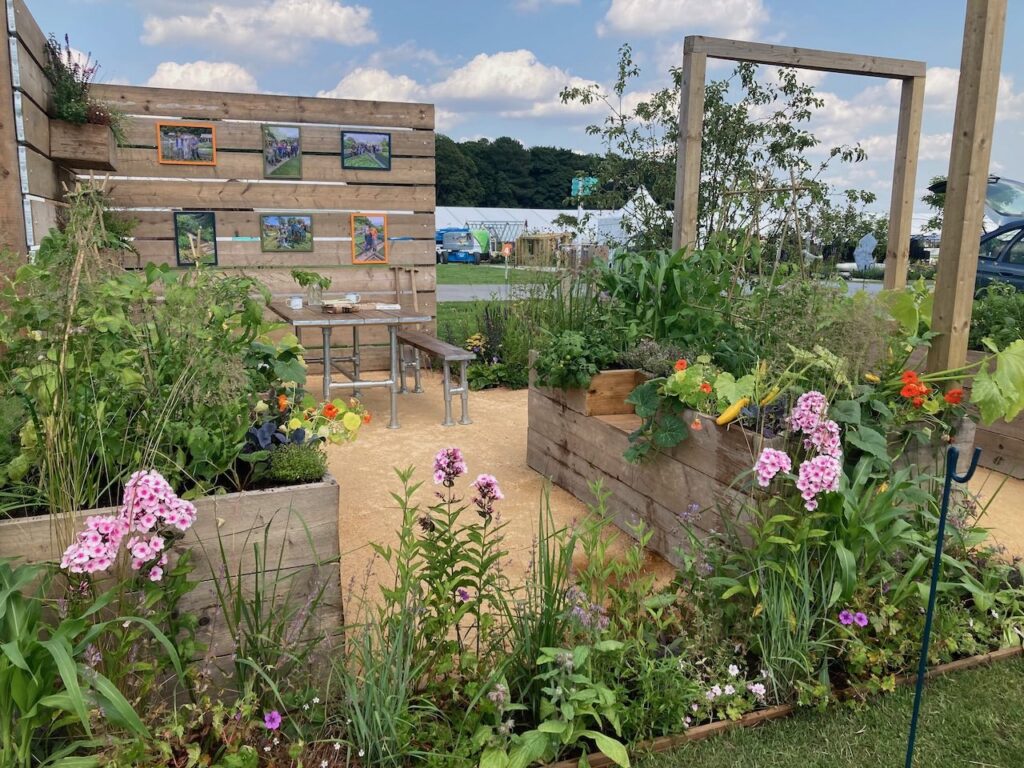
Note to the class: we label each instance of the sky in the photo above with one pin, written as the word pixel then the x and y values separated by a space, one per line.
pixel 495 67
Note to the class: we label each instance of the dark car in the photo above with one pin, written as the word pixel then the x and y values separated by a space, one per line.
pixel 1001 256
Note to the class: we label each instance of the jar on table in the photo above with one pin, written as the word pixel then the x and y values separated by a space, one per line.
pixel 314 295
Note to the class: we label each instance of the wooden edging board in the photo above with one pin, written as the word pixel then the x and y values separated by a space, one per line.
pixel 751 719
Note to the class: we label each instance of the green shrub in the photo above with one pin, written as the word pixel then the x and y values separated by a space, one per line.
pixel 655 357
pixel 293 463
pixel 571 359
pixel 999 315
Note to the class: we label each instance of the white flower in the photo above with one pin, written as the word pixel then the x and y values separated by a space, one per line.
pixel 729 690
pixel 266 748
pixel 995 614
pixel 323 764
pixel 276 741
pixel 316 699
pixel 305 707
pixel 337 744
pixel 733 670
pixel 362 752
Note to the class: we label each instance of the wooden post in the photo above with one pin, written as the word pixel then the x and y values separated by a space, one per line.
pixel 901 208
pixel 12 211
pixel 691 126
pixel 968 178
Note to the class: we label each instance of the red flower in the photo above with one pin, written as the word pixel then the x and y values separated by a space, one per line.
pixel 681 364
pixel 330 410
pixel 917 402
pixel 366 418
pixel 914 389
pixel 705 388
pixel 954 396
pixel 909 377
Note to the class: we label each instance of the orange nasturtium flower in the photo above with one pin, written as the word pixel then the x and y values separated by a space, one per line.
pixel 954 396
pixel 366 418
pixel 909 377
pixel 917 402
pixel 330 410
pixel 282 403
pixel 705 388
pixel 681 364
pixel 696 425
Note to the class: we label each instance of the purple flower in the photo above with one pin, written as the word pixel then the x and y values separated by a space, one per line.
pixel 462 595
pixel 448 465
pixel 689 515
pixel 846 618
pixel 488 492
pixel 272 720
pixel 860 619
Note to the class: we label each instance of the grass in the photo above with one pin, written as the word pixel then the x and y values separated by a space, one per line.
pixel 363 161
pixel 458 320
pixel 480 274
pixel 289 169
pixel 972 718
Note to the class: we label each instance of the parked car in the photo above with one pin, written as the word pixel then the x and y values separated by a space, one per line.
pixel 1001 256
pixel 1004 201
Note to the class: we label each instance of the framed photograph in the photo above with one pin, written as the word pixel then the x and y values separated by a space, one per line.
pixel 282 152
pixel 186 143
pixel 365 151
pixel 369 238
pixel 195 238
pixel 286 233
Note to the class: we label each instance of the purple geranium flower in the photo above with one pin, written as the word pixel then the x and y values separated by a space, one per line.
pixel 860 619
pixel 846 618
pixel 272 720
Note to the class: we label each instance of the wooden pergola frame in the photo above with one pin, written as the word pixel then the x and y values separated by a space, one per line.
pixel 698 49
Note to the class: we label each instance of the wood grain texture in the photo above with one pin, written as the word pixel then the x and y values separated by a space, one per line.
pixel 901 206
pixel 28 32
pixel 803 58
pixel 973 124
pixel 82 147
pixel 36 126
pixel 316 139
pixel 168 102
pixel 12 213
pixel 249 166
pixel 379 280
pixel 32 81
pixel 44 217
pixel 143 193
pixel 691 127
pixel 160 224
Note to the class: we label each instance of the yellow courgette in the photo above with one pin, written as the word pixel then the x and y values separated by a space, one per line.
pixel 733 411
pixel 772 394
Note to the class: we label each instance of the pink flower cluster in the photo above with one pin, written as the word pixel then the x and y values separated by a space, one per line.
pixel 809 410
pixel 769 464
pixel 448 465
pixel 150 508
pixel 488 492
pixel 825 439
pixel 817 475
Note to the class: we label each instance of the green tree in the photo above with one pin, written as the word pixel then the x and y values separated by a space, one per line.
pixel 937 202
pixel 458 179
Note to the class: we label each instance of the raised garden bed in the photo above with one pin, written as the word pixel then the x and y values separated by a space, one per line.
pixel 1001 443
pixel 83 147
pixel 239 520
pixel 578 436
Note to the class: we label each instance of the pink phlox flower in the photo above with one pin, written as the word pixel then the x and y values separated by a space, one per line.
pixel 769 464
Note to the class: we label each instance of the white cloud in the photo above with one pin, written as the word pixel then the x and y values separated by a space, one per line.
pixel 204 76
pixel 271 28
pixel 729 18
pixel 407 51
pixel 536 5
pixel 942 83
pixel 375 85
pixel 500 77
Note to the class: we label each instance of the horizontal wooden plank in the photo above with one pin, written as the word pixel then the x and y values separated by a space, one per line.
pixel 316 139
pixel 331 253
pixel 1000 452
pixel 803 58
pixel 36 126
pixel 32 81
pixel 44 218
pixel 137 193
pixel 380 280
pixel 160 224
pixel 44 177
pixel 249 165
pixel 170 102
pixel 28 32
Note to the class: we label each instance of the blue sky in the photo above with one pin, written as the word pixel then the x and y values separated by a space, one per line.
pixel 495 67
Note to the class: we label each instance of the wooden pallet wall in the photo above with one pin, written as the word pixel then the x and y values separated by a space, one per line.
pixel 234 188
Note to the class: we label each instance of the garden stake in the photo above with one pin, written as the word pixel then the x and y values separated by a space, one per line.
pixel 952 457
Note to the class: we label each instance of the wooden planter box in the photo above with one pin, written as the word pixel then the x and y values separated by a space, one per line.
pixel 1001 443
pixel 240 519
pixel 83 147
pixel 578 437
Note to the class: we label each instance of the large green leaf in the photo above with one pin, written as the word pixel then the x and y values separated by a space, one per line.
pixel 60 650
pixel 870 441
pixel 117 707
pixel 610 748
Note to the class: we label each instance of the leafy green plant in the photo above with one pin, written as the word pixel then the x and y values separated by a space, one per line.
pixel 297 463
pixel 307 279
pixel 72 80
pixel 998 315
pixel 571 359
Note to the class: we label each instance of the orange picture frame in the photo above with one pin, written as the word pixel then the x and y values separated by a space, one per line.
pixel 181 142
pixel 369 238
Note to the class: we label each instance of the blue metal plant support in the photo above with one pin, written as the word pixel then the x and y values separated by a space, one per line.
pixel 952 457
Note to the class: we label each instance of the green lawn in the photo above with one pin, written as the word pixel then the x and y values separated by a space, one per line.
pixel 289 169
pixel 481 274
pixel 973 718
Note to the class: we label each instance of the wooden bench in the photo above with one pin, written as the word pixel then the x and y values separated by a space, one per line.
pixel 448 354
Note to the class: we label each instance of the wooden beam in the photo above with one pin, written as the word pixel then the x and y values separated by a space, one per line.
pixel 977 93
pixel 691 126
pixel 803 58
pixel 12 211
pixel 901 207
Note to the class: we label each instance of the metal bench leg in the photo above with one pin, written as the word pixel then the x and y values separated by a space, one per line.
pixel 464 393
pixel 416 371
pixel 355 358
pixel 402 367
pixel 448 421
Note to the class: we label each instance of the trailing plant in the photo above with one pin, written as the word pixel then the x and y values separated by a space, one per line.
pixel 72 80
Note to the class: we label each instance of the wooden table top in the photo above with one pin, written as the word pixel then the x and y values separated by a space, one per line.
pixel 316 318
